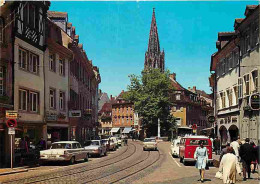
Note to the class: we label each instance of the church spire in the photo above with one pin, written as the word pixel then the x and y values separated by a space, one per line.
pixel 154 58
pixel 154 45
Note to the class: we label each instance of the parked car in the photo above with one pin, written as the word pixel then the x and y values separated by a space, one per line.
pixel 106 143
pixel 115 140
pixel 110 144
pixel 150 143
pixel 64 151
pixel 97 148
pixel 188 146
pixel 119 141
pixel 175 147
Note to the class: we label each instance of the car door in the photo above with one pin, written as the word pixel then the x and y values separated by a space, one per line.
pixel 82 153
pixel 75 151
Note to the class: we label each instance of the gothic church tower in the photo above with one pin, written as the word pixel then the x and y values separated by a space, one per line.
pixel 154 58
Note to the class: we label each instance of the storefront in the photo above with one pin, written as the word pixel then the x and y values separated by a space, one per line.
pixel 57 132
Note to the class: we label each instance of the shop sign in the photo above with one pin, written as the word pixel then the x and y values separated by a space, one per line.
pixel 51 117
pixel 254 101
pixel 75 114
pixel 211 119
pixel 11 114
pixel 11 131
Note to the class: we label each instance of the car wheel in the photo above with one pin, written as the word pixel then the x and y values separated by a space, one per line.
pixel 72 160
pixel 144 149
pixel 86 159
pixel 184 162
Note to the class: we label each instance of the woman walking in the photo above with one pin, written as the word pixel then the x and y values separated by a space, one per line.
pixel 229 166
pixel 201 156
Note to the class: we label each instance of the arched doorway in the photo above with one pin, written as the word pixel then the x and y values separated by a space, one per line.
pixel 223 135
pixel 233 132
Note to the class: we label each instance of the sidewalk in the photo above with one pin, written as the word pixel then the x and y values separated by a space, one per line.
pixel 6 171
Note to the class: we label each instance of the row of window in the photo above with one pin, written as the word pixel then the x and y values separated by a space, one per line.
pixel 126 109
pixel 228 63
pixel 250 37
pixel 52 99
pixel 247 85
pixel 28 61
pixel 80 101
pixel 29 100
pixel 78 70
pixel 52 64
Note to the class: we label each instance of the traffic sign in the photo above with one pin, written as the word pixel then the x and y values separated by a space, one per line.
pixel 194 126
pixel 211 119
pixel 11 123
pixel 254 101
pixel 11 131
pixel 11 114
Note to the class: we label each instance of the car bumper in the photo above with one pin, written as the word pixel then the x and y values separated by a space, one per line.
pixel 94 152
pixel 55 159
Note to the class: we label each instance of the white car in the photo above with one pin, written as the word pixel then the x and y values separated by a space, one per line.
pixel 115 140
pixel 96 147
pixel 64 151
pixel 175 147
pixel 149 143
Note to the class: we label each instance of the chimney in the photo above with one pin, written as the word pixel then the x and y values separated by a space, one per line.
pixel 111 97
pixel 194 88
pixel 99 91
pixel 173 76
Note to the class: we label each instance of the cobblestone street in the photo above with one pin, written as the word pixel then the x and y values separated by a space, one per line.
pixel 129 164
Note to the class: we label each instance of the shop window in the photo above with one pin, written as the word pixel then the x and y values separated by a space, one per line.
pixel 52 63
pixel 52 98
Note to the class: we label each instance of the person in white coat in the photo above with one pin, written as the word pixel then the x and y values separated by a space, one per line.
pixel 229 166
pixel 235 146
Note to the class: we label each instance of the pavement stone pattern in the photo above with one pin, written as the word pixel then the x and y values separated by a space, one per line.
pixel 129 164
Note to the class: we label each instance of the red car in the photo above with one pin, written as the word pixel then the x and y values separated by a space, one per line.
pixel 188 146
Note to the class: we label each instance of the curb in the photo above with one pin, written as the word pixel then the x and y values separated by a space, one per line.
pixel 13 172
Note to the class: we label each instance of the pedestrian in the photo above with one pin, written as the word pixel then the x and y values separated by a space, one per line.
pixel 246 153
pixel 24 149
pixel 235 145
pixel 201 156
pixel 42 144
pixel 224 151
pixel 229 166
pixel 254 161
pixel 216 144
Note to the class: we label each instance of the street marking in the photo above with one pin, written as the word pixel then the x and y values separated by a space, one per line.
pixel 174 160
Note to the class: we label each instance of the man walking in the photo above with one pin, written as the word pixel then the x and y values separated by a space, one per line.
pixel 216 144
pixel 246 153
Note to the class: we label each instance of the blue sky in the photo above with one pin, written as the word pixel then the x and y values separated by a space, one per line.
pixel 115 36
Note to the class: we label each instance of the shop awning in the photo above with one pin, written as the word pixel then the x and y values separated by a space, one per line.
pixel 114 130
pixel 127 130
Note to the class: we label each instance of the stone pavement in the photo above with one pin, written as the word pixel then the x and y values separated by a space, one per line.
pixel 6 171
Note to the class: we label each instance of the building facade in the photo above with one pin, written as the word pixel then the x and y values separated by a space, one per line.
pixel 122 115
pixel 235 78
pixel 225 63
pixel 189 107
pixel 56 71
pixel 154 57
pixel 248 78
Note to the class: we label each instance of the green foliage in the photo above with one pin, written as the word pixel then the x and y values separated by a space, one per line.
pixel 150 94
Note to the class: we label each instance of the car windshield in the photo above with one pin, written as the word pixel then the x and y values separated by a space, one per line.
pixel 149 140
pixel 197 142
pixel 61 146
pixel 95 143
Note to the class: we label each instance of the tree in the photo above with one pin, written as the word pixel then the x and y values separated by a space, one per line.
pixel 150 94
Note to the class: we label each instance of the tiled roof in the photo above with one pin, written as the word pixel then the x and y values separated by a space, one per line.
pixel 107 107
pixel 203 93
pixel 55 14
pixel 176 85
pixel 226 33
pixel 239 20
